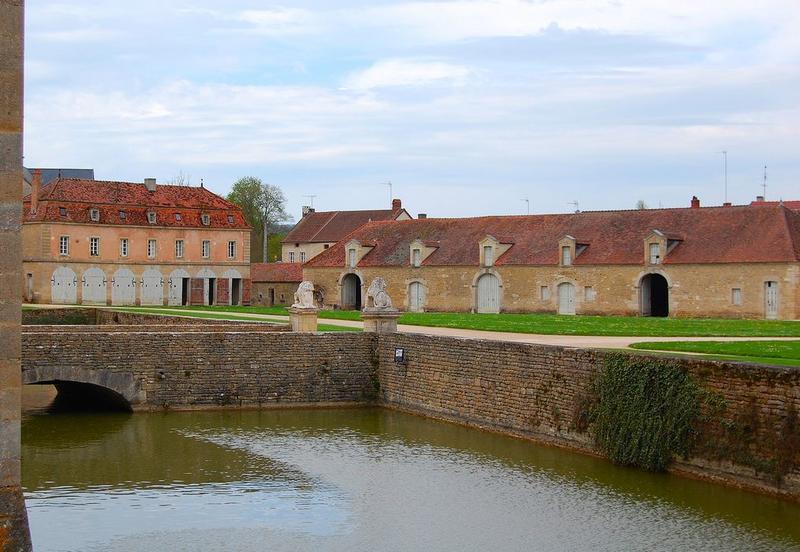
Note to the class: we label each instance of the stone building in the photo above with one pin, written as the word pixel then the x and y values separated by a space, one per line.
pixel 317 231
pixel 275 283
pixel 741 261
pixel 123 243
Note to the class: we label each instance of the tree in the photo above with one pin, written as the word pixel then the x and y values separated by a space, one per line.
pixel 263 205
pixel 641 205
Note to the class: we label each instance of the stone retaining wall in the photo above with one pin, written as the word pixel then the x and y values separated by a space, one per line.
pixel 542 393
pixel 91 316
pixel 210 326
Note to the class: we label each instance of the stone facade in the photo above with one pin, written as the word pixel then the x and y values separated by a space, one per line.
pixel 14 534
pixel 694 290
pixel 270 294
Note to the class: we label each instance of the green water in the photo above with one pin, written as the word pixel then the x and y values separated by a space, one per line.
pixel 359 479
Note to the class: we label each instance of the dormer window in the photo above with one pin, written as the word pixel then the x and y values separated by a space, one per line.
pixel 94 214
pixel 566 255
pixel 205 219
pixel 230 219
pixel 655 253
pixel 151 217
pixel 123 215
pixel 351 257
pixel 62 211
pixel 416 258
pixel 178 217
pixel 488 255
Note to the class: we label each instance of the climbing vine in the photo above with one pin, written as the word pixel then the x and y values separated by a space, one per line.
pixel 644 411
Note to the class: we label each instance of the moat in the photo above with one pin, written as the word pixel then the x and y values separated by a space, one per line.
pixel 358 479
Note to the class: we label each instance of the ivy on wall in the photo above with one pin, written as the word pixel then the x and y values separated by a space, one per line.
pixel 644 411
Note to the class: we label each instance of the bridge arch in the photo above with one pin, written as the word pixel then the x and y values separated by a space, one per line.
pixel 103 388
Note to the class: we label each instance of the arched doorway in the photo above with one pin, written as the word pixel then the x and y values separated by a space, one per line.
pixel 351 292
pixel 654 295
pixel 64 286
pixel 123 287
pixel 566 298
pixel 488 300
pixel 152 292
pixel 179 287
pixel 94 287
pixel 416 297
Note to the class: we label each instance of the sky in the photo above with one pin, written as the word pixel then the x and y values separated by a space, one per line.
pixel 468 107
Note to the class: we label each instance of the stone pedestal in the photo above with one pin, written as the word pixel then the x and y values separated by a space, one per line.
pixel 303 319
pixel 380 320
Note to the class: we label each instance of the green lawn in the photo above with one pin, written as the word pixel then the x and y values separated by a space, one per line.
pixel 768 352
pixel 223 315
pixel 553 324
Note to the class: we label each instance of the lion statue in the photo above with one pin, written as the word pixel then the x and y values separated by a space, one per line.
pixel 304 296
pixel 377 297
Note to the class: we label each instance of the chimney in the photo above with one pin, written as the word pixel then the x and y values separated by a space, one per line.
pixel 397 205
pixel 727 204
pixel 150 184
pixel 422 216
pixel 695 202
pixel 307 210
pixel 759 198
pixel 36 188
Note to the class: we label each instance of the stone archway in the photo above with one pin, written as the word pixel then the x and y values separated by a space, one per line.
pixel 117 389
pixel 654 295
pixel 351 292
pixel 487 294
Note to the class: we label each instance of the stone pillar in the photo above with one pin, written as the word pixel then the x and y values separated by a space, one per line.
pixel 380 320
pixel 303 319
pixel 14 534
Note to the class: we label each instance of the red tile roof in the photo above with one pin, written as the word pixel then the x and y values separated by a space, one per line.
pixel 710 235
pixel 78 197
pixel 332 226
pixel 276 272
pixel 793 204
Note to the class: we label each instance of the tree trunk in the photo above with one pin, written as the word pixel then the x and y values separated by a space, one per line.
pixel 265 235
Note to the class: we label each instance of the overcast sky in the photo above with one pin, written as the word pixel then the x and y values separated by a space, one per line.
pixel 465 106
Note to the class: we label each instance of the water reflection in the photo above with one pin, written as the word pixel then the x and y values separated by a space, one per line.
pixel 359 479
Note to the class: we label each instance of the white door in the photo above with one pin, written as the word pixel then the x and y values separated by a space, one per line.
pixel 123 288
pixel 416 297
pixel 64 286
pixel 488 294
pixel 94 287
pixel 176 279
pixel 771 300
pixel 566 298
pixel 152 288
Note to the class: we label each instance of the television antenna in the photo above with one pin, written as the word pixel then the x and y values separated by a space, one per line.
pixel 391 197
pixel 576 205
pixel 310 199
pixel 725 171
pixel 764 184
pixel 527 205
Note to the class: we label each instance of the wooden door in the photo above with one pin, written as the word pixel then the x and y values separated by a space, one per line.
pixel 152 288
pixel 771 300
pixel 566 298
pixel 64 286
pixel 416 297
pixel 94 287
pixel 123 288
pixel 488 294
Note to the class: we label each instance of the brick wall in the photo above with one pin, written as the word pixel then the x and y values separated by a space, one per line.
pixel 539 392
pixel 209 369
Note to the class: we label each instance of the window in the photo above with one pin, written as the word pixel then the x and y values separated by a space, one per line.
pixel 736 296
pixel 655 253
pixel 230 219
pixel 544 293
pixel 178 217
pixel 94 214
pixel 206 220
pixel 291 256
pixel 63 245
pixel 588 293
pixel 123 215
pixel 151 249
pixel 302 256
pixel 151 217
pixel 326 246
pixel 488 255
pixel 178 249
pixel 351 258
pixel 416 257
pixel 62 211
pixel 206 249
pixel 231 249
pixel 123 247
pixel 566 255
pixel 94 247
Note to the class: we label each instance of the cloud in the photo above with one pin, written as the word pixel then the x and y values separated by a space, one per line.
pixel 407 72
pixel 277 21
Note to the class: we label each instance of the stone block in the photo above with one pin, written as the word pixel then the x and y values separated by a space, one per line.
pixel 10 437
pixel 9 337
pixel 10 100
pixel 303 319
pixel 14 531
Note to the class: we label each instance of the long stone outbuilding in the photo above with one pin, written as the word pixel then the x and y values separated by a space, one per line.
pixel 730 261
